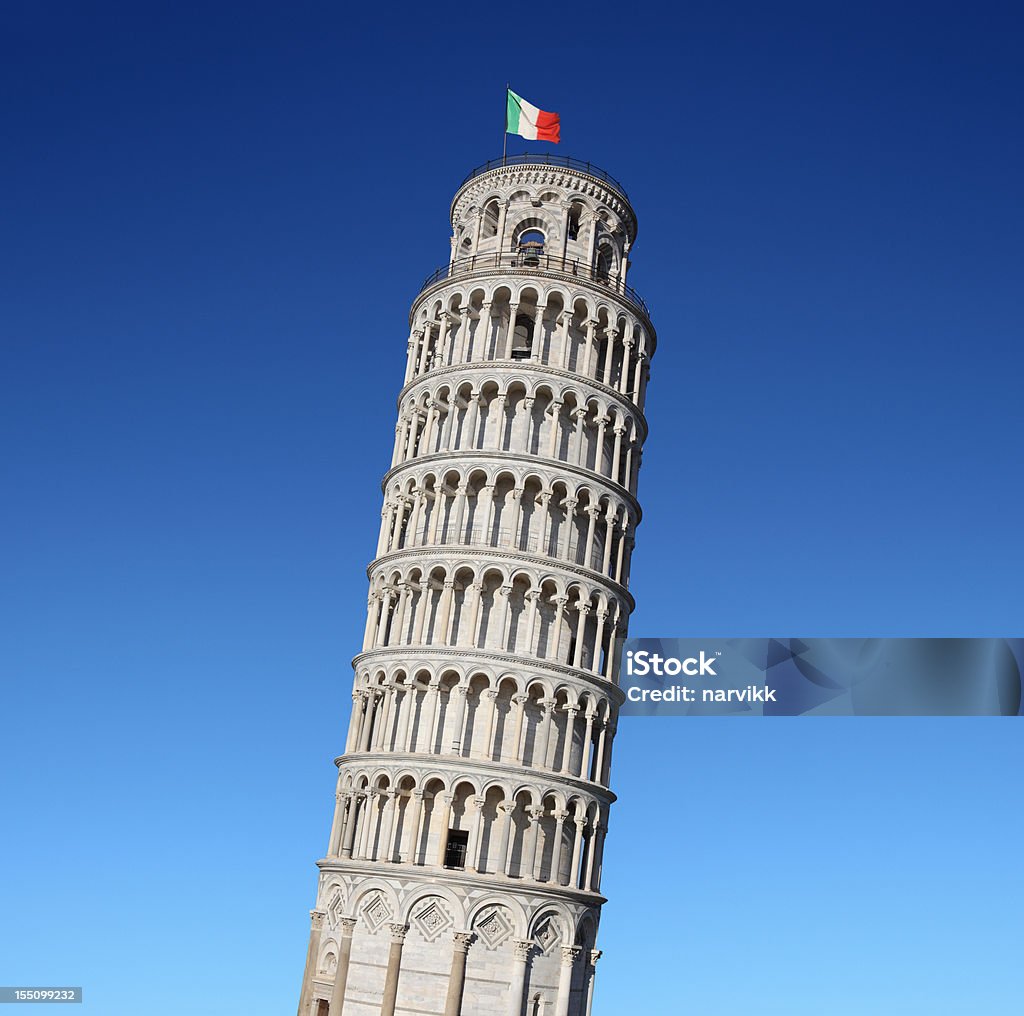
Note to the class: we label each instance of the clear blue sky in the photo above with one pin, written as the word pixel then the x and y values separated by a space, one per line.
pixel 213 220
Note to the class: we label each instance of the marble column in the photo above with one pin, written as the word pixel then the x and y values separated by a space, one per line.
pixel 341 974
pixel 457 977
pixel 398 933
pixel 569 954
pixel 595 955
pixel 312 956
pixel 520 956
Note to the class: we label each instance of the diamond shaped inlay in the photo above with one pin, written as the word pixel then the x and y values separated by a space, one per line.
pixel 376 912
pixel 494 927
pixel 433 919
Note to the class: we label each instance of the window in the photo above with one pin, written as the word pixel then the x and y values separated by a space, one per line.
pixel 575 213
pixel 605 261
pixel 455 851
pixel 490 224
pixel 522 337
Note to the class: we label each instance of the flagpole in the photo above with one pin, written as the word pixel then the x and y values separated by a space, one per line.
pixel 504 126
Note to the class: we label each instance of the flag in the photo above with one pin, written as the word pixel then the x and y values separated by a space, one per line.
pixel 528 121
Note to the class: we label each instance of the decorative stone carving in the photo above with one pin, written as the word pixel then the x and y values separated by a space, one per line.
pixel 376 911
pixel 547 935
pixel 494 926
pixel 432 918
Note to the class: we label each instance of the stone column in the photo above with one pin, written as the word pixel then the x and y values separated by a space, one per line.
pixel 590 324
pixel 354 811
pixel 398 932
pixel 365 733
pixel 556 427
pixel 513 309
pixel 428 329
pixel 341 974
pixel 595 955
pixel 499 244
pixel 576 453
pixel 316 927
pixel 609 535
pixel 548 706
pixel 521 954
pixel 340 801
pixel 554 650
pixel 609 353
pixel 385 611
pixel 469 639
pixel 505 809
pixel 519 701
pixel 530 865
pixel 387 825
pixel 469 435
pixel 369 819
pixel 412 839
pixel 505 613
pixel 556 853
pixel 457 977
pixel 583 610
pixel 531 624
pixel 483 332
pixel 516 510
pixel 370 631
pixel 569 954
pixel 571 712
pixel 577 844
pixel 443 633
pixel 538 333
pixel 354 723
pixel 588 880
pixel 566 535
pixel 595 664
pixel 563 331
pixel 432 708
pixel 445 822
pixel 587 736
pixel 491 725
pixel 461 693
pixel 473 842
pixel 619 430
pixel 458 514
pixel 592 513
pixel 627 363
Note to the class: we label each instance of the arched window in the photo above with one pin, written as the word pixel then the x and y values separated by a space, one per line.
pixel 575 214
pixel 522 337
pixel 490 214
pixel 605 262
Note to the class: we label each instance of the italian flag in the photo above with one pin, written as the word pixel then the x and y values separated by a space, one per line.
pixel 528 121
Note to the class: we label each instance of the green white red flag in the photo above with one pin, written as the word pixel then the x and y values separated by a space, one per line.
pixel 526 120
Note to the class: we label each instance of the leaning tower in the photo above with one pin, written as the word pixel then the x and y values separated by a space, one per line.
pixel 463 869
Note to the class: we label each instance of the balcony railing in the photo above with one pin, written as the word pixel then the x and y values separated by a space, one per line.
pixel 547 160
pixel 533 261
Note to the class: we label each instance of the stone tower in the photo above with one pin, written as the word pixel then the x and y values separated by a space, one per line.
pixel 463 870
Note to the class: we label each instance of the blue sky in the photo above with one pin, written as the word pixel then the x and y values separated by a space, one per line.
pixel 214 220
